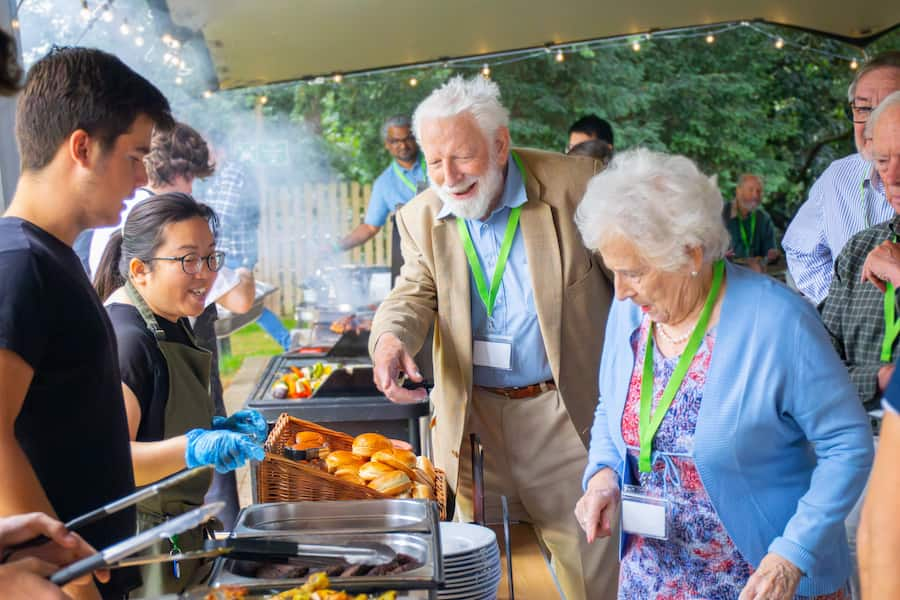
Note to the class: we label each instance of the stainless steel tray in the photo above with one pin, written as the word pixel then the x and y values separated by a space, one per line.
pixel 264 591
pixel 424 548
pixel 336 516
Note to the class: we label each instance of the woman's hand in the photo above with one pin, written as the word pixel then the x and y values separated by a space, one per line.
pixel 596 509
pixel 775 579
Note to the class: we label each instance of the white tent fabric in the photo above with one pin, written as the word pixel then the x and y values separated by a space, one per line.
pixel 269 41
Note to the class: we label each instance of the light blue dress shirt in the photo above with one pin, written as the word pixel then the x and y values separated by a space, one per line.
pixel 515 316
pixel 843 201
pixel 389 191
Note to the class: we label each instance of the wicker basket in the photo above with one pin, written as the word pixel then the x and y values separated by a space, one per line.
pixel 281 479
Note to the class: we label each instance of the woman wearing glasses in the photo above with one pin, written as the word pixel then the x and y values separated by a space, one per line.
pixel 153 276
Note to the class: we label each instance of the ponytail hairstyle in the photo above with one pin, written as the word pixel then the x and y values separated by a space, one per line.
pixel 142 235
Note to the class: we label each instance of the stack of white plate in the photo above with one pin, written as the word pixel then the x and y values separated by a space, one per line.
pixel 471 562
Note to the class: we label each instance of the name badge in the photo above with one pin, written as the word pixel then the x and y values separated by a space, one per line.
pixel 497 355
pixel 642 514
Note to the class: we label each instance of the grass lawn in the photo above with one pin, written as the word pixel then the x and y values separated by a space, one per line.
pixel 249 341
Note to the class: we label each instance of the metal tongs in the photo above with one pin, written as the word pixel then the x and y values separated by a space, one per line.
pixel 312 555
pixel 115 553
pixel 109 509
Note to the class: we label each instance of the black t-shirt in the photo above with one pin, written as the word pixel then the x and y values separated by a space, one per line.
pixel 72 426
pixel 143 366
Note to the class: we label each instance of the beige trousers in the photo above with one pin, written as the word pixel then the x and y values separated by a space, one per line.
pixel 534 457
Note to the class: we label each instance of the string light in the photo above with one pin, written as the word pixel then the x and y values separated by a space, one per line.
pixel 107 15
pixel 207 94
pixel 710 39
pixel 636 46
pixel 14 23
pixel 124 29
pixel 138 41
pixel 85 11
pixel 413 82
pixel 166 39
pixel 263 99
pixel 338 78
pixel 485 70
pixel 560 56
pixel 779 43
pixel 854 65
pixel 178 80
pixel 175 44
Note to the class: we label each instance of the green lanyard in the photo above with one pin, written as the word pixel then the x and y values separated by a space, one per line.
pixel 891 325
pixel 399 172
pixel 744 231
pixel 489 297
pixel 647 425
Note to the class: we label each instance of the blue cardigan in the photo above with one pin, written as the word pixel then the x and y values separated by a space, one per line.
pixel 782 444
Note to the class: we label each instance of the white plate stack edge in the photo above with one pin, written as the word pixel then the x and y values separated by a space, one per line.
pixel 471 562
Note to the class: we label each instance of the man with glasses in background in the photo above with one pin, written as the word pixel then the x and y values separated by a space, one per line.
pixel 399 183
pixel 846 198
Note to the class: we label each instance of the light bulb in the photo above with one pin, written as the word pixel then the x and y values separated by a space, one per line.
pixel 176 44
pixel 779 43
pixel 166 39
pixel 107 15
pixel 413 82
pixel 338 78
pixel 263 99
pixel 560 56
pixel 854 65
pixel 138 41
pixel 124 29
pixel 486 70
pixel 207 94
pixel 14 23
pixel 636 46
pixel 85 11
pixel 710 39
pixel 178 80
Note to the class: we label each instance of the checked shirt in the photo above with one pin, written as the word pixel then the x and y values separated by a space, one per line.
pixel 853 312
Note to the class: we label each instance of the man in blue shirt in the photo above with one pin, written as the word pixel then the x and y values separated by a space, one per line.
pixel 846 197
pixel 398 183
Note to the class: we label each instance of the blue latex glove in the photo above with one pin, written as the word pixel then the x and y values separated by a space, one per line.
pixel 226 450
pixel 249 422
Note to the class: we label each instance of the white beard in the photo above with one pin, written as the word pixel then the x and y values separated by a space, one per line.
pixel 489 187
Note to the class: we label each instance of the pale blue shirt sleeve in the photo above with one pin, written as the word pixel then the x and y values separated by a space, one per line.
pixel 806 249
pixel 377 212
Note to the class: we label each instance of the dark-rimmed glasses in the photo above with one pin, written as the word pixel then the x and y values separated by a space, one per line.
pixel 394 141
pixel 193 263
pixel 858 114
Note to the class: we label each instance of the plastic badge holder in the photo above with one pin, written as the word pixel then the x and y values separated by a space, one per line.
pixel 644 515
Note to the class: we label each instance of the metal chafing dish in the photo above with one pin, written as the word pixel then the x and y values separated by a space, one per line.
pixel 265 591
pixel 334 516
pixel 410 527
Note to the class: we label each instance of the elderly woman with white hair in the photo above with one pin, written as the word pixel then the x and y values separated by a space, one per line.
pixel 727 428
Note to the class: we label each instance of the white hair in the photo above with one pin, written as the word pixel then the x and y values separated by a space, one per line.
pixel 892 100
pixel 662 203
pixel 478 96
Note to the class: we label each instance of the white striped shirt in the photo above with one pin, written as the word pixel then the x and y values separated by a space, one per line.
pixel 843 201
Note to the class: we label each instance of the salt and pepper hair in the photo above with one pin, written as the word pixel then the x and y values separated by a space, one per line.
pixel 890 59
pixel 661 203
pixel 395 121
pixel 477 96
pixel 892 100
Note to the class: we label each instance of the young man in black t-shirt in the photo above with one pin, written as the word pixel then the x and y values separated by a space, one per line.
pixel 83 126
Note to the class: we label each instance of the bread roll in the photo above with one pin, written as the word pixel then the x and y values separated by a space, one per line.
pixel 367 444
pixel 392 484
pixel 340 458
pixel 422 492
pixel 348 469
pixel 424 471
pixel 391 459
pixel 351 478
pixel 310 439
pixel 374 470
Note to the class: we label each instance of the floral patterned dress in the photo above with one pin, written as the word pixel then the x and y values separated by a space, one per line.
pixel 698 561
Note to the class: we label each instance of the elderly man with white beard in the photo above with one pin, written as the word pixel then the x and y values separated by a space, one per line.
pixel 492 258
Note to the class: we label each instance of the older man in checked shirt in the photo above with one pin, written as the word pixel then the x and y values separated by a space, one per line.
pixel 846 198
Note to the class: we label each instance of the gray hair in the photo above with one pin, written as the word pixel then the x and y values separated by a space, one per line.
pixel 395 121
pixel 660 202
pixel 890 101
pixel 478 96
pixel 890 59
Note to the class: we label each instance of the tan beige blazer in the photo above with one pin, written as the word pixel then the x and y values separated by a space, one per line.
pixel 572 296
